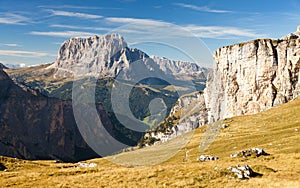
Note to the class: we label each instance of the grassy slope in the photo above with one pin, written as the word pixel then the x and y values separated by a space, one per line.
pixel 273 130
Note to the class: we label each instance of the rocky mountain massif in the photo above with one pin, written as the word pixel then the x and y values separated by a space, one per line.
pixel 109 56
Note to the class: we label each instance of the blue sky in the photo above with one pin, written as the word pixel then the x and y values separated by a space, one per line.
pixel 32 31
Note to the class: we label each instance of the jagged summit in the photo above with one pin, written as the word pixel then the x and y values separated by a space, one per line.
pixel 108 55
pixel 180 68
pixel 91 54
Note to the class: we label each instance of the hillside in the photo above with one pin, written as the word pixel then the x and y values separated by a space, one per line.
pixel 277 131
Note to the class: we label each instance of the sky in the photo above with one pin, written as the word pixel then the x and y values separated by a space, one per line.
pixel 31 32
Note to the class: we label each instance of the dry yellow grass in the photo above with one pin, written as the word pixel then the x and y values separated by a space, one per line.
pixel 274 130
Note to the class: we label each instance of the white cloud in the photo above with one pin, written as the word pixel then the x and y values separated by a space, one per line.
pixel 77 7
pixel 65 34
pixel 81 27
pixel 14 19
pixel 75 14
pixel 147 22
pixel 20 53
pixel 12 45
pixel 220 32
pixel 201 8
pixel 150 27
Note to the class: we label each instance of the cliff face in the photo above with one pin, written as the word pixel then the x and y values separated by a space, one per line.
pixel 253 76
pixel 33 126
pixel 192 112
pixel 92 56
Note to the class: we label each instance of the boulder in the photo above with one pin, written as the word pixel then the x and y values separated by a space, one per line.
pixel 242 172
pixel 254 152
pixel 203 158
pixel 86 165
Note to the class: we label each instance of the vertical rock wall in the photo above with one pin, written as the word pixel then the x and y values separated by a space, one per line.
pixel 253 76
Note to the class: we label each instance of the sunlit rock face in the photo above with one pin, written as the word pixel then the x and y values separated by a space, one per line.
pixel 253 76
pixel 109 56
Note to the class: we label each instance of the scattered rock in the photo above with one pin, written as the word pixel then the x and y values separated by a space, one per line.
pixel 296 130
pixel 254 152
pixel 86 165
pixel 2 167
pixel 242 172
pixel 203 158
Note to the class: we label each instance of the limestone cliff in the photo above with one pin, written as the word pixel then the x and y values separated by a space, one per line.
pixel 253 76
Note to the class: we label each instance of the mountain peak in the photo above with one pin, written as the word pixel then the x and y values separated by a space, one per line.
pixel 103 41
pixel 108 55
pixel 89 55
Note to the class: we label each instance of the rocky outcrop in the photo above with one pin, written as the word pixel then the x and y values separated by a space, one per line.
pixel 186 115
pixel 243 171
pixel 191 111
pixel 203 158
pixel 253 76
pixel 253 152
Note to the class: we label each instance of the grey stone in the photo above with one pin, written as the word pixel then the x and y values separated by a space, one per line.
pixel 256 152
pixel 203 158
pixel 242 172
